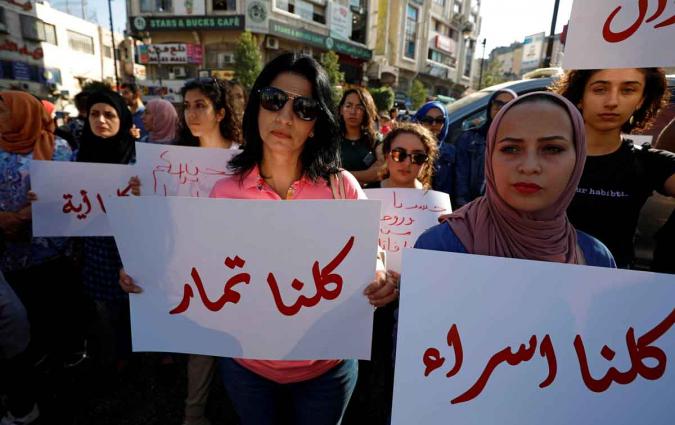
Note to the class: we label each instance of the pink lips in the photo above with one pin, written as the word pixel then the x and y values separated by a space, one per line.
pixel 281 135
pixel 527 188
pixel 609 117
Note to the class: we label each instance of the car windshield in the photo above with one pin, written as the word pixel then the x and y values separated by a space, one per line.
pixel 473 97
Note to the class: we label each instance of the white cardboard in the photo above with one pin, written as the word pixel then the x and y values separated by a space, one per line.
pixel 161 239
pixel 647 46
pixel 405 215
pixel 73 196
pixel 498 303
pixel 167 170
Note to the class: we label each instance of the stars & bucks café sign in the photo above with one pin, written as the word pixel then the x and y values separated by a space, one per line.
pixel 173 23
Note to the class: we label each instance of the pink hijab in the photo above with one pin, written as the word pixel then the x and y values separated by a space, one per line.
pixel 489 226
pixel 165 121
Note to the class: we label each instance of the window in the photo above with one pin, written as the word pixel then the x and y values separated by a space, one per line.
pixel 469 58
pixel 156 6
pixel 31 28
pixel 3 20
pixel 457 7
pixel 410 32
pixel 439 57
pixel 50 33
pixel 440 2
pixel 305 9
pixel 80 42
pixel 107 51
pixel 224 4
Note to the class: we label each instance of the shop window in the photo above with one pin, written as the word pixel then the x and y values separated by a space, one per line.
pixel 229 5
pixel 156 6
pixel 80 42
pixel 410 31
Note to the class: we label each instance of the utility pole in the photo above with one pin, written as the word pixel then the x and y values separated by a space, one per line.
pixel 482 62
pixel 114 48
pixel 549 46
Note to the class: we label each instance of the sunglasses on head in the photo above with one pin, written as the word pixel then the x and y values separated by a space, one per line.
pixel 400 154
pixel 430 120
pixel 273 99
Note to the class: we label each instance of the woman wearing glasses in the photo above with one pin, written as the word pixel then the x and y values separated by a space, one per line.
pixel 291 147
pixel 470 169
pixel 360 152
pixel 434 117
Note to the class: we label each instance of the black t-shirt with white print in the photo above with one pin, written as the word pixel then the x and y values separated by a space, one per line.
pixel 612 191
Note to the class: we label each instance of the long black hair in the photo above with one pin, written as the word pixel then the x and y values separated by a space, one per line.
pixel 217 92
pixel 319 157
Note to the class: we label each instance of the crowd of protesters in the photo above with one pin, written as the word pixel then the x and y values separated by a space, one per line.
pixel 548 176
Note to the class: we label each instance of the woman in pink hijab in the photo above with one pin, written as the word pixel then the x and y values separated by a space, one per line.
pixel 535 155
pixel 161 121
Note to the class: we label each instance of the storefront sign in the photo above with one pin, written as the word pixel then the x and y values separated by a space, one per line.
pixel 340 21
pixel 257 16
pixel 445 44
pixel 22 71
pixel 173 23
pixel 174 53
pixel 10 46
pixel 298 34
pixel 533 47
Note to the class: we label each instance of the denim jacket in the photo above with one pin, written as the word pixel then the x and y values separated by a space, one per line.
pixel 470 167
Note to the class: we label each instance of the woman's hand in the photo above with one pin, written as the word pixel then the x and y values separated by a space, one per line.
pixel 384 289
pixel 135 132
pixel 31 196
pixel 135 184
pixel 127 284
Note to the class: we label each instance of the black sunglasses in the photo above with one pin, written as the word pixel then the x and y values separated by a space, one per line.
pixel 273 99
pixel 400 154
pixel 430 120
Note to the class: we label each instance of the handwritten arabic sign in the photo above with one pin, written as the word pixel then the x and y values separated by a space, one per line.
pixel 406 214
pixel 73 196
pixel 253 279
pixel 614 33
pixel 180 170
pixel 491 340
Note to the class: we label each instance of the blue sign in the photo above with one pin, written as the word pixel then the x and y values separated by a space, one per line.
pixel 22 71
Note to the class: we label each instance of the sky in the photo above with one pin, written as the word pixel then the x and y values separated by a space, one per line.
pixel 506 21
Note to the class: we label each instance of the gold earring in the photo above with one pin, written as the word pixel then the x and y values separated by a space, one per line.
pixel 631 120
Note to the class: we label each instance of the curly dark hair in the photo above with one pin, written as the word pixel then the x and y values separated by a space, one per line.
pixel 369 115
pixel 656 95
pixel 430 148
pixel 319 157
pixel 217 91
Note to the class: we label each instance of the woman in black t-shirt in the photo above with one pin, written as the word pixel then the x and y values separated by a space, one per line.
pixel 359 150
pixel 618 176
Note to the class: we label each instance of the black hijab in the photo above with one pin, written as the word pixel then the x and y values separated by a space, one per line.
pixel 118 149
pixel 483 129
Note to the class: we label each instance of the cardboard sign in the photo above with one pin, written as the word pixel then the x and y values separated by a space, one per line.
pixel 405 215
pixel 620 34
pixel 180 170
pixel 73 196
pixel 485 340
pixel 249 278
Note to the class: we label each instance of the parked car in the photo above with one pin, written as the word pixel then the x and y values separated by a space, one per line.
pixel 470 112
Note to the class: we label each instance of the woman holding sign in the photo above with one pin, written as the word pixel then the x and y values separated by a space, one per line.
pixel 292 139
pixel 619 177
pixel 535 154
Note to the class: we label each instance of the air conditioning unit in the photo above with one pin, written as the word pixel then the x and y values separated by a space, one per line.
pixel 179 71
pixel 272 43
pixel 225 59
pixel 306 51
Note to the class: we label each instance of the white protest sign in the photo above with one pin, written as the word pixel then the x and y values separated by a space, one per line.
pixel 249 278
pixel 180 170
pixel 485 340
pixel 406 214
pixel 620 34
pixel 72 196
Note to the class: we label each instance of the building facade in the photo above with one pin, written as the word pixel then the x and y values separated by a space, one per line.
pixel 432 41
pixel 51 53
pixel 182 39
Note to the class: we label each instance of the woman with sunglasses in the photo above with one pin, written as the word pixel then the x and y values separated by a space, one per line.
pixel 434 117
pixel 208 120
pixel 535 155
pixel 360 152
pixel 619 177
pixel 470 176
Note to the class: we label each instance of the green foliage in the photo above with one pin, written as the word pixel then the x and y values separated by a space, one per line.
pixel 247 60
pixel 383 97
pixel 418 94
pixel 331 63
pixel 493 74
